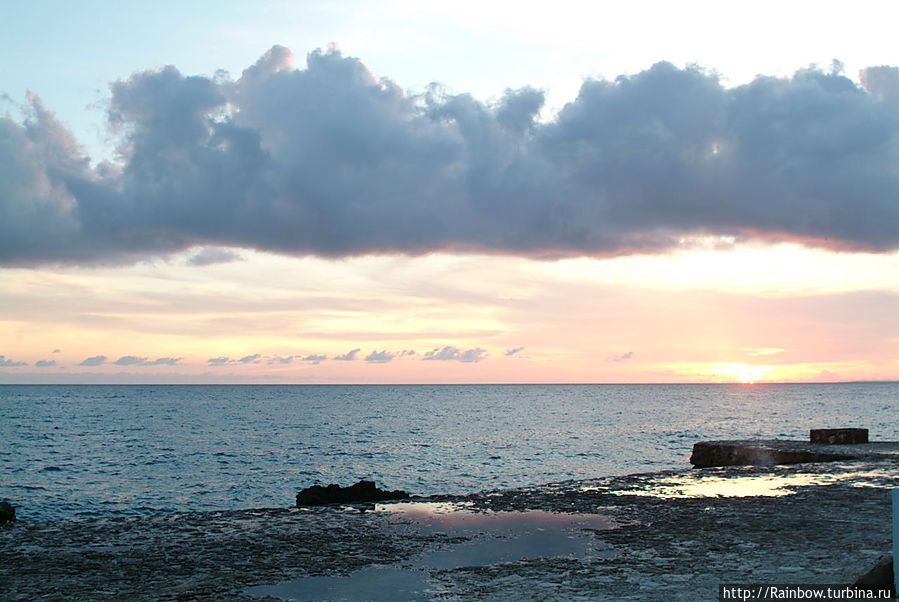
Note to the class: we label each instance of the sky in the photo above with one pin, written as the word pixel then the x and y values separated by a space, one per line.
pixel 399 192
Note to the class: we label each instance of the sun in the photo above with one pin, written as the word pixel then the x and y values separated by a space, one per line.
pixel 741 373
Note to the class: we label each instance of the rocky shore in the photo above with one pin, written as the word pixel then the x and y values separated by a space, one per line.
pixel 672 535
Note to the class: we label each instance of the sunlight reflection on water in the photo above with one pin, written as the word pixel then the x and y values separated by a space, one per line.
pixel 693 485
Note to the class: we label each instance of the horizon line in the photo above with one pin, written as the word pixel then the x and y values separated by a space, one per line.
pixel 441 384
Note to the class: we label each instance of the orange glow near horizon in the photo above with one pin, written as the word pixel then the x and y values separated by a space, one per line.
pixel 702 316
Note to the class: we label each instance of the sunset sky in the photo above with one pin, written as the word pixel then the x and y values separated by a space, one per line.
pixel 398 192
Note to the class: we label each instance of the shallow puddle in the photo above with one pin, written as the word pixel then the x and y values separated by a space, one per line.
pixel 490 538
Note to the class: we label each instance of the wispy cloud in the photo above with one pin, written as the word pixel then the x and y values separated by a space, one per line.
pixel 250 359
pixel 766 351
pixel 45 363
pixel 513 351
pixel 218 361
pixel 622 357
pixel 636 163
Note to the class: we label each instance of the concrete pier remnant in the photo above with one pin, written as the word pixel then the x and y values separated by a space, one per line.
pixel 775 451
pixel 843 436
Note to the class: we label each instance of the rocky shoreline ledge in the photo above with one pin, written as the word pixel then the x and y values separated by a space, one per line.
pixel 677 536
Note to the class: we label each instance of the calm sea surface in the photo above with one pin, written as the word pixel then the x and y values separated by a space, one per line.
pixel 70 451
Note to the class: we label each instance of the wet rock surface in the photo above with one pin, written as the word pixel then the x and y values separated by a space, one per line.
pixel 669 544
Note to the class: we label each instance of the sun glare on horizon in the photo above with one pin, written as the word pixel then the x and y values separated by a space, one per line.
pixel 741 373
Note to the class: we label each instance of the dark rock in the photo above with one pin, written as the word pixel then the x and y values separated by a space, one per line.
pixel 880 576
pixel 838 436
pixel 7 513
pixel 363 491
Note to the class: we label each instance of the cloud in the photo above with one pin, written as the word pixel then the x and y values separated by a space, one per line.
pixel 330 160
pixel 130 360
pixel 622 357
pixel 5 363
pixel 250 359
pixel 450 353
pixel 347 357
pixel 513 351
pixel 379 357
pixel 316 358
pixel 281 360
pixel 164 361
pixel 211 255
pixel 45 363
pixel 827 376
pixel 218 361
pixel 95 360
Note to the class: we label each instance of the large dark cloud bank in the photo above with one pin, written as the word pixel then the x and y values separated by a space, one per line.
pixel 331 161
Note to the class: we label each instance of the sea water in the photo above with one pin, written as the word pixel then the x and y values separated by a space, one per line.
pixel 75 451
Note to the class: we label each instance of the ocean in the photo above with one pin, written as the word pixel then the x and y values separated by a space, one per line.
pixel 89 451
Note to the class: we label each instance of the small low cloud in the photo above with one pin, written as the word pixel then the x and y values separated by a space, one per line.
pixel 454 354
pixel 133 360
pixel 277 359
pixel 347 357
pixel 130 360
pixel 95 360
pixel 164 361
pixel 827 376
pixel 56 351
pixel 379 357
pixel 622 357
pixel 513 351
pixel 218 361
pixel 250 359
pixel 314 358
pixel 211 255
pixel 45 363
pixel 5 363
